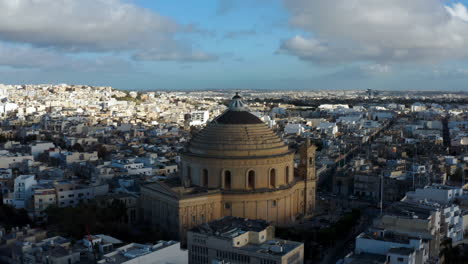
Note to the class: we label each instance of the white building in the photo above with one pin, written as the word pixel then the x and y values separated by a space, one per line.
pixel 294 129
pixel 370 124
pixel 349 120
pixel 130 167
pixel 39 147
pixel 105 244
pixel 199 118
pixel 164 252
pixel 418 107
pixel 441 197
pixel 8 159
pixel 394 246
pixel 71 194
pixel 23 190
pixel 328 128
pixel 241 240
pixel 436 193
pixel 333 106
pixel 5 108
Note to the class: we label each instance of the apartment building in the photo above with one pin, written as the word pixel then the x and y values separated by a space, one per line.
pixel 239 240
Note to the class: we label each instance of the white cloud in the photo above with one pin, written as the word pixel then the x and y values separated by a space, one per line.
pixel 377 68
pixel 89 26
pixel 458 10
pixel 449 72
pixel 155 55
pixel 39 58
pixel 380 31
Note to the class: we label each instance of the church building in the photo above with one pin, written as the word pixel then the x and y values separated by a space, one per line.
pixel 235 166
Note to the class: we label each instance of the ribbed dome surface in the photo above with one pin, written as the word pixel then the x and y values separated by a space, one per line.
pixel 236 134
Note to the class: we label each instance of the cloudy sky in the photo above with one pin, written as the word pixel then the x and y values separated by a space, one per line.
pixel 236 44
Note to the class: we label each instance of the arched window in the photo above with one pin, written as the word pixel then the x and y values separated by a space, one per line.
pixel 227 180
pixel 251 179
pixel 205 177
pixel 286 173
pixel 272 178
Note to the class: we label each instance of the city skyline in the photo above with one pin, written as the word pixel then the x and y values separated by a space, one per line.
pixel 233 44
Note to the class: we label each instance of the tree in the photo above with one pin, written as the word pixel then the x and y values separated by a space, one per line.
pixel 43 157
pixel 11 217
pixel 77 147
pixel 458 175
pixel 102 152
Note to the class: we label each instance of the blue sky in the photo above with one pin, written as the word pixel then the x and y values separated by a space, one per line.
pixel 236 44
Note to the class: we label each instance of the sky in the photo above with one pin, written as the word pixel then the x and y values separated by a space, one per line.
pixel 237 44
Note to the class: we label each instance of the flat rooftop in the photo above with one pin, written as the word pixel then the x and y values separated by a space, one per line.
pixel 228 226
pixel 275 247
pixel 409 210
pixel 442 187
pixel 135 250
pixel 388 237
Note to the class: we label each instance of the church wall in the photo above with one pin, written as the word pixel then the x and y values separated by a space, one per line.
pixel 239 169
pixel 176 216
pixel 166 210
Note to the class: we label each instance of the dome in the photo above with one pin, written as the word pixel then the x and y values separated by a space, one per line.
pixel 236 133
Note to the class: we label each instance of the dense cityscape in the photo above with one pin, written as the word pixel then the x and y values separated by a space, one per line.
pixel 100 175
pixel 233 132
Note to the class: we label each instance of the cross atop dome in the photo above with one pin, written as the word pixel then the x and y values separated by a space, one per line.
pixel 237 104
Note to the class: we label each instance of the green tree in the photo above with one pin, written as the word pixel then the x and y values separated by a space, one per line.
pixel 458 175
pixel 11 217
pixel 77 147
pixel 102 151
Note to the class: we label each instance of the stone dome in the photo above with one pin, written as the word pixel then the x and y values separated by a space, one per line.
pixel 236 133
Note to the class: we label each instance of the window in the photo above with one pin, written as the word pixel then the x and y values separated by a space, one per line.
pixel 251 179
pixel 272 178
pixel 205 177
pixel 400 259
pixel 227 206
pixel 273 203
pixel 227 180
pixel 286 172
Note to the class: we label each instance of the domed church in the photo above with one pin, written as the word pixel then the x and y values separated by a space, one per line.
pixel 235 166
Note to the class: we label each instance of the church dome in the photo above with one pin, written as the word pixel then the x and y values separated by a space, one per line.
pixel 236 133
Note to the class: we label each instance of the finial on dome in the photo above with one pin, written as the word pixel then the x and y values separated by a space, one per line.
pixel 237 104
